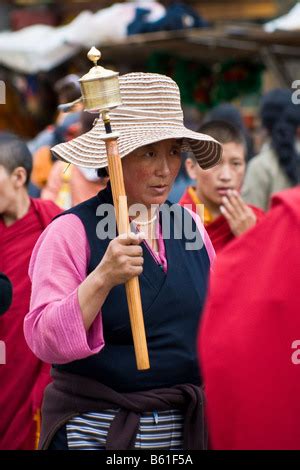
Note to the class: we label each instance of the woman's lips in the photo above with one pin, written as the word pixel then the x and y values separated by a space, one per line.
pixel 159 189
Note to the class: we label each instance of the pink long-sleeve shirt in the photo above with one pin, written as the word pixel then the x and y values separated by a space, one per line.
pixel 54 328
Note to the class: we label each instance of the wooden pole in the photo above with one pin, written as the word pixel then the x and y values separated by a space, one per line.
pixel 132 286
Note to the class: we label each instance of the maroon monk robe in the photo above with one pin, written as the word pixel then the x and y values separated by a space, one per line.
pixel 250 335
pixel 23 377
pixel 218 230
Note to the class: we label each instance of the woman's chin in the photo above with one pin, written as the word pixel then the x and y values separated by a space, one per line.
pixel 159 200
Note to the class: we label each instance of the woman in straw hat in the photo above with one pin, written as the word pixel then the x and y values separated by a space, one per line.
pixel 79 317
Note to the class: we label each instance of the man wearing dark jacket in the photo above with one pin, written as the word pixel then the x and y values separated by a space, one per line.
pixel 5 293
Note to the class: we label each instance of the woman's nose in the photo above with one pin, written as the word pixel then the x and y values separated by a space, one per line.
pixel 163 167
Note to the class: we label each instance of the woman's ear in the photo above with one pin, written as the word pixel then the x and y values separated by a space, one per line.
pixel 191 168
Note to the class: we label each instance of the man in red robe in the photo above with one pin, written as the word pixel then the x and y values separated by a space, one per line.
pixel 22 220
pixel 225 215
pixel 249 341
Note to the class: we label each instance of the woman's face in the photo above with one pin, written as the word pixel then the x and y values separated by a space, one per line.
pixel 150 171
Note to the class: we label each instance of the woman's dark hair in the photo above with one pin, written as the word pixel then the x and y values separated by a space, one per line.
pixel 272 106
pixel 284 142
pixel 282 118
pixel 14 153
pixel 102 172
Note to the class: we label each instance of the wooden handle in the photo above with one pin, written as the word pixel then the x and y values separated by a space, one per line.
pixel 132 286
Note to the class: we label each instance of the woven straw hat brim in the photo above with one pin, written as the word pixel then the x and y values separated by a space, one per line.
pixel 89 150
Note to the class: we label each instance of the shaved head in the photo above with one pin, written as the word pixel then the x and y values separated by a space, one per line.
pixel 14 153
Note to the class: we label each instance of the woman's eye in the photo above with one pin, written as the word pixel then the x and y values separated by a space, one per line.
pixel 149 154
pixel 236 164
pixel 175 151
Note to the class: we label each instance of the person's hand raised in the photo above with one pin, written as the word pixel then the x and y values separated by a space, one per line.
pixel 239 216
pixel 123 259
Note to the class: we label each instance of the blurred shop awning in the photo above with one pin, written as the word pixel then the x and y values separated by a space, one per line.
pixel 41 48
pixel 278 51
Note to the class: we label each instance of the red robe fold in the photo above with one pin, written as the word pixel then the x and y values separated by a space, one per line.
pixel 23 377
pixel 249 341
pixel 219 230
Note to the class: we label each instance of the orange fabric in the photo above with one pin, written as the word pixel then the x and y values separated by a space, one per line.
pixel 42 165
pixel 206 217
pixel 37 420
pixel 69 179
pixel 58 187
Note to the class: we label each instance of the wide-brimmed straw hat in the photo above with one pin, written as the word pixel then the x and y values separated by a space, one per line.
pixel 150 112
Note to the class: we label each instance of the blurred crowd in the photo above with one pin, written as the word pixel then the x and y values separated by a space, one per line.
pixel 234 199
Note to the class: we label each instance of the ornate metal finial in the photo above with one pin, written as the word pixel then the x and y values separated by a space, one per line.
pixel 94 55
pixel 100 86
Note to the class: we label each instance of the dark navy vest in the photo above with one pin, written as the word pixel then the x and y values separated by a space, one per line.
pixel 172 304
